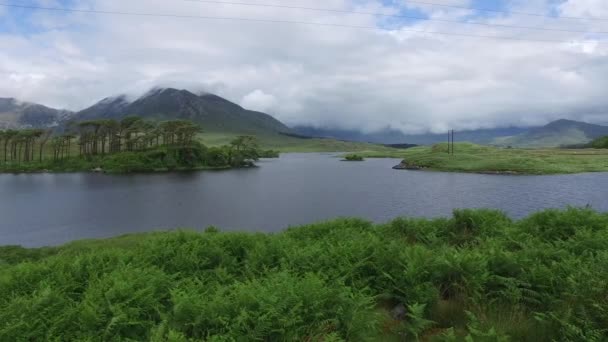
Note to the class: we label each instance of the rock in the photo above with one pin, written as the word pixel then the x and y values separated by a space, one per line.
pixel 399 312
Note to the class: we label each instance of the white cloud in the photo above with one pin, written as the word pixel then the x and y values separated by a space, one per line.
pixel 259 100
pixel 585 8
pixel 304 74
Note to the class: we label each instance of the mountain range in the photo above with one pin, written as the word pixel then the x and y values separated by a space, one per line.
pixel 392 136
pixel 216 114
pixel 211 111
pixel 555 134
pixel 17 114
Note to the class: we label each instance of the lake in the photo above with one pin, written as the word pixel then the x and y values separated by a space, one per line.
pixel 51 209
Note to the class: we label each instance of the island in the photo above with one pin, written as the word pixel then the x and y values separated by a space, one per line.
pixel 353 158
pixel 129 145
pixel 475 158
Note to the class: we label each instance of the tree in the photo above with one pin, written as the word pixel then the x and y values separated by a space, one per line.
pixel 2 138
pixel 244 150
pixel 45 136
pixel 9 136
pixel 600 142
pixel 128 130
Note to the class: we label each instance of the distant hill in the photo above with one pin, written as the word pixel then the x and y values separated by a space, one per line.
pixel 16 114
pixel 555 134
pixel 214 113
pixel 392 137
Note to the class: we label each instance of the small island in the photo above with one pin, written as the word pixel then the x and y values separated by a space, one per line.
pixel 353 158
pixel 130 145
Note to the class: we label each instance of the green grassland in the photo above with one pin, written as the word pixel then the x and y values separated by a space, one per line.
pixel 285 143
pixel 478 276
pixel 487 159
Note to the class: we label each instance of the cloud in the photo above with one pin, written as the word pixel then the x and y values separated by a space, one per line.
pixel 259 100
pixel 584 8
pixel 392 76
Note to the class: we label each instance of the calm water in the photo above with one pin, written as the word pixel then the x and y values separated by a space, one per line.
pixel 46 209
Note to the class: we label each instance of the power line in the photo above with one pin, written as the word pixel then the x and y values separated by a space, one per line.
pixel 140 14
pixel 502 11
pixel 402 16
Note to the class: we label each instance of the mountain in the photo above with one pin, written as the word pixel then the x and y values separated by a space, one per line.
pixel 555 134
pixel 391 136
pixel 15 114
pixel 214 113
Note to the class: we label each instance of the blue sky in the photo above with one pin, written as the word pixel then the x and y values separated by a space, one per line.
pixel 22 21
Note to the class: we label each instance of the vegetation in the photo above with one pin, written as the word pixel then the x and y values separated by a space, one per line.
pixel 478 276
pixel 600 142
pixel 353 157
pixel 270 154
pixel 131 145
pixel 487 159
pixel 286 143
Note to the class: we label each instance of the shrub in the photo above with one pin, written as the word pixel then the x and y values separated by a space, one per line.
pixel 353 157
pixel 600 142
pixel 281 307
pixel 542 278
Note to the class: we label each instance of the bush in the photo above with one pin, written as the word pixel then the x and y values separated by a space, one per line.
pixel 476 276
pixel 600 142
pixel 216 157
pixel 280 307
pixel 269 154
pixel 353 157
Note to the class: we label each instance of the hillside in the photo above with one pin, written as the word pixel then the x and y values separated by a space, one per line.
pixel 214 113
pixel 15 114
pixel 555 134
pixel 392 136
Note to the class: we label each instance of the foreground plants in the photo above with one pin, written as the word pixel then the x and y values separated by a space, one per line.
pixel 478 276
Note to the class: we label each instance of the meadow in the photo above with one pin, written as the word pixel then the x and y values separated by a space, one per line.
pixel 284 143
pixel 487 159
pixel 477 276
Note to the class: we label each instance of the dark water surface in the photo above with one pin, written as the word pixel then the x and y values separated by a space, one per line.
pixel 50 209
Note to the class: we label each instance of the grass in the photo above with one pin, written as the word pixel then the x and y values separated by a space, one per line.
pixel 283 143
pixel 478 276
pixel 486 159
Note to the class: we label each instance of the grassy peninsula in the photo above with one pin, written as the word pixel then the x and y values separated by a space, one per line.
pixel 487 159
pixel 478 276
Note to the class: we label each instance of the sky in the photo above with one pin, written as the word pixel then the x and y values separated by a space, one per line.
pixel 390 74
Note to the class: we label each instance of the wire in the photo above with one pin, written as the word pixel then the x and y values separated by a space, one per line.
pixel 392 16
pixel 501 11
pixel 140 14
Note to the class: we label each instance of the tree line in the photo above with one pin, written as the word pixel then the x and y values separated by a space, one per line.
pixel 128 145
pixel 94 137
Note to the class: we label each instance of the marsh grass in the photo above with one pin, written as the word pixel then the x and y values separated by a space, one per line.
pixel 486 159
pixel 478 276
